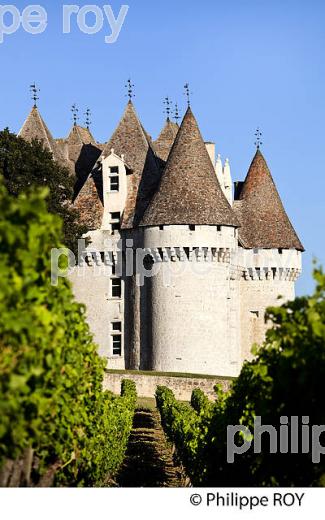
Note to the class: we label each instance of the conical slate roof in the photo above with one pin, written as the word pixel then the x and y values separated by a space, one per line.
pixel 35 128
pixel 166 139
pixel 264 222
pixel 79 136
pixel 189 192
pixel 131 141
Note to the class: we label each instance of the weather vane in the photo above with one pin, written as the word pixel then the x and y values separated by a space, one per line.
pixel 258 135
pixel 188 94
pixel 176 113
pixel 88 118
pixel 167 103
pixel 34 92
pixel 129 86
pixel 75 112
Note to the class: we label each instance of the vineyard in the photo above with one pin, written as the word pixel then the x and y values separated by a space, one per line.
pixel 286 378
pixel 59 428
pixel 57 425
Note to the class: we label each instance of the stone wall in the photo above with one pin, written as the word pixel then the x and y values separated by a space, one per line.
pixel 191 299
pixel 181 386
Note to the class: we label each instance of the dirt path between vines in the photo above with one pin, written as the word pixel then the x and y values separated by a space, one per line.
pixel 149 459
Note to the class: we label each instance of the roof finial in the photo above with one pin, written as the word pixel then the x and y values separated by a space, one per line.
pixel 75 111
pixel 129 86
pixel 167 103
pixel 188 94
pixel 258 135
pixel 176 113
pixel 34 92
pixel 88 118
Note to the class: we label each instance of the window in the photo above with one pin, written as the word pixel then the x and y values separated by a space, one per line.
pixel 255 251
pixel 116 288
pixel 192 227
pixel 218 228
pixel 280 251
pixel 161 228
pixel 114 181
pixel 117 344
pixel 117 326
pixel 115 218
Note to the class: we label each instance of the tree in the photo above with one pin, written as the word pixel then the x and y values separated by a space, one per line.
pixel 25 165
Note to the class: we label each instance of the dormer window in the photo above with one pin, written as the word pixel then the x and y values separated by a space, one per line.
pixel 114 181
pixel 115 221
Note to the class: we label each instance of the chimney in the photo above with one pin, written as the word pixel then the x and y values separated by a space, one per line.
pixel 211 149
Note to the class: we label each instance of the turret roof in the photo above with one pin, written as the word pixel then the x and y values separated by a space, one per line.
pixel 166 139
pixel 35 128
pixel 189 192
pixel 79 136
pixel 264 222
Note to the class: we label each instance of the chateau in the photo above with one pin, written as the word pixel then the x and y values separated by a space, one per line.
pixel 179 266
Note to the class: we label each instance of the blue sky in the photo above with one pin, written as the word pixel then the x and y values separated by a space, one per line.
pixel 249 63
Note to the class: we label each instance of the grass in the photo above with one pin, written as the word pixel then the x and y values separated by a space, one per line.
pixel 167 374
pixel 146 403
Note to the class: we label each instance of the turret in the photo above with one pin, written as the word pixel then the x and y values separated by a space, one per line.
pixel 270 252
pixel 190 232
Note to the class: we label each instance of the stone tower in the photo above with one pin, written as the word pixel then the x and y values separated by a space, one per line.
pixel 190 231
pixel 269 251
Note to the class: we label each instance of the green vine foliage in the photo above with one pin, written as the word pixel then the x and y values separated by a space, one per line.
pixel 286 378
pixel 51 397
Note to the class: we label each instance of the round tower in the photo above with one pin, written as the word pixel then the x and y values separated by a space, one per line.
pixel 269 253
pixel 191 283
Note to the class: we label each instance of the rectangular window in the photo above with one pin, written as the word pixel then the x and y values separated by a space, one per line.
pixel 115 220
pixel 114 183
pixel 218 228
pixel 116 226
pixel 116 288
pixel 117 326
pixel 192 227
pixel 117 344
